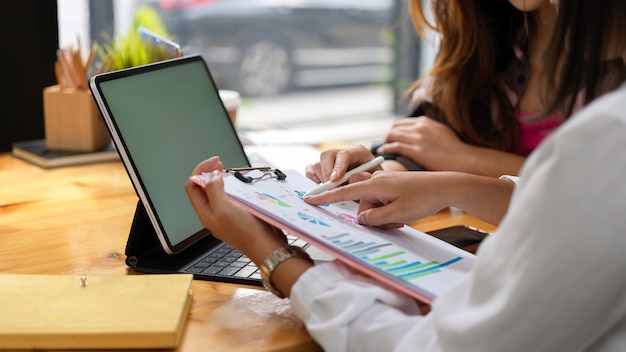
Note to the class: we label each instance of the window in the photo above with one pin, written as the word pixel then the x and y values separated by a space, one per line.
pixel 335 68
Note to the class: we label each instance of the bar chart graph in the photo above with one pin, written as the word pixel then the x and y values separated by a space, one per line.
pixel 388 257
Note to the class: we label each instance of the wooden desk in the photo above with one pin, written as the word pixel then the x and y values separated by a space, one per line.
pixel 75 220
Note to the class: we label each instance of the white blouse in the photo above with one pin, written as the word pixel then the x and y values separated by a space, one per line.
pixel 551 278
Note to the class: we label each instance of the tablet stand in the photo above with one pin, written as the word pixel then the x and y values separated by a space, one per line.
pixel 142 238
pixel 145 254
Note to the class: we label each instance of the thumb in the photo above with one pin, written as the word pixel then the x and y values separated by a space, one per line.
pixel 214 187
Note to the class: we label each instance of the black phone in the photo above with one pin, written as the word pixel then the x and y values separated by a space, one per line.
pixel 462 236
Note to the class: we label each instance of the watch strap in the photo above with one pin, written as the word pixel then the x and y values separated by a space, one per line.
pixel 276 258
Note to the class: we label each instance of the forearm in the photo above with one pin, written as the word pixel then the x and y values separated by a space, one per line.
pixel 484 197
pixel 488 162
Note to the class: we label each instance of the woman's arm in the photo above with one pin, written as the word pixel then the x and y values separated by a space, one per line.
pixel 232 224
pixel 436 147
pixel 391 199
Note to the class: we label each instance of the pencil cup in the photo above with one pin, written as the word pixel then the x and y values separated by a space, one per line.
pixel 72 121
pixel 231 100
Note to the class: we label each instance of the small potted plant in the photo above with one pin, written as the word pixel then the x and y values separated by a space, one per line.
pixel 133 50
pixel 71 119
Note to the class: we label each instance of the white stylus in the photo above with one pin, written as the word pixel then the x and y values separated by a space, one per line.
pixel 325 186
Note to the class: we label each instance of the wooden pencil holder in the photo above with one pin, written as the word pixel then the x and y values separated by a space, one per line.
pixel 72 121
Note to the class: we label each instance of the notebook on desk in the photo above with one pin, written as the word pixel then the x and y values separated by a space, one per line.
pixel 165 118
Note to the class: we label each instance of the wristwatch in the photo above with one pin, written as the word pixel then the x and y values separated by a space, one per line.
pixel 275 259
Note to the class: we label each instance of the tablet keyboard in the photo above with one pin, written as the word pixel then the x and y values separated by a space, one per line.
pixel 226 261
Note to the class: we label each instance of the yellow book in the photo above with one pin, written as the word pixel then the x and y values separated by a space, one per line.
pixel 93 312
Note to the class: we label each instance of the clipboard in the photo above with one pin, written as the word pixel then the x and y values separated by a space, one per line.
pixel 405 259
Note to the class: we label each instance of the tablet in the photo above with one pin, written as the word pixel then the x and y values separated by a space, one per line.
pixel 164 119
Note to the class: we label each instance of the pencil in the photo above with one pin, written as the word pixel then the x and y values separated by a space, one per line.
pixel 68 71
pixel 58 71
pixel 89 58
pixel 77 62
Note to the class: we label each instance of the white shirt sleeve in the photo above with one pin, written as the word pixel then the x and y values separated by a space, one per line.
pixel 551 278
pixel 345 311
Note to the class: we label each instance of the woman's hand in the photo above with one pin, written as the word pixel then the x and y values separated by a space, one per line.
pixel 334 163
pixel 427 142
pixel 436 147
pixel 233 224
pixel 228 221
pixel 391 199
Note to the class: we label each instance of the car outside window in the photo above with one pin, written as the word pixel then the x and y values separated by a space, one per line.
pixel 313 64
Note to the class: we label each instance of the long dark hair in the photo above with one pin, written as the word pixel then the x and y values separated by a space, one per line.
pixel 465 81
pixel 580 50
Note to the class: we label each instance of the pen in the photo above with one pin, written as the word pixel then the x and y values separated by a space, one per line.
pixel 325 186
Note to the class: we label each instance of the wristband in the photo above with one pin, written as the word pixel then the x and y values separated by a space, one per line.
pixel 276 258
pixel 409 164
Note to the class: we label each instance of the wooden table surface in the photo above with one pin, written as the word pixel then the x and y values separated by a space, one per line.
pixel 75 220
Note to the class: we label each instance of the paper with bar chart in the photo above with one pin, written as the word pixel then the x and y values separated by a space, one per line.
pixel 411 261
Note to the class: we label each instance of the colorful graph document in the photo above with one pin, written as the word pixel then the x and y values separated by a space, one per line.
pixel 408 260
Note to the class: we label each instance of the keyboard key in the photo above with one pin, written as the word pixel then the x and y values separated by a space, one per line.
pixel 211 270
pixel 237 264
pixel 246 271
pixel 228 271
